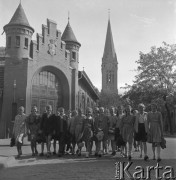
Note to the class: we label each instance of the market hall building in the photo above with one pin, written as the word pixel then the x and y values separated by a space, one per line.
pixel 40 72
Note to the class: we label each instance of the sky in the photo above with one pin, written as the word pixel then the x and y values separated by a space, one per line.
pixel 136 25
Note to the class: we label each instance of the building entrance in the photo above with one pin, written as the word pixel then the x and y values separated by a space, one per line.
pixel 46 90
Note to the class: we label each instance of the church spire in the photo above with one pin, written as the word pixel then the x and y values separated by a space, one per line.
pixel 109 63
pixel 109 49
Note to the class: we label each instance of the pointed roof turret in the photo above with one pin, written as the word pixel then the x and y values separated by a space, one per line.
pixel 19 18
pixel 109 44
pixel 68 35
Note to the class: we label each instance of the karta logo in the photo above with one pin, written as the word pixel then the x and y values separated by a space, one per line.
pixel 139 172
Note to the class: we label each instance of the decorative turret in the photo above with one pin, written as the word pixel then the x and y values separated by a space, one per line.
pixel 18 35
pixel 72 45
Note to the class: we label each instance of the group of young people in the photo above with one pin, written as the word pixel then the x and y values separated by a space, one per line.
pixel 113 128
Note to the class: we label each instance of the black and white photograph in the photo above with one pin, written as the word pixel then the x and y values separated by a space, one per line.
pixel 87 89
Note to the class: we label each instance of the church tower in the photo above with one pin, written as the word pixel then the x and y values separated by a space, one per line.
pixel 109 64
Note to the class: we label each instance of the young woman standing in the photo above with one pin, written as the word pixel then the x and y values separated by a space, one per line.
pixel 141 129
pixel 155 130
pixel 127 129
pixel 19 129
pixel 33 126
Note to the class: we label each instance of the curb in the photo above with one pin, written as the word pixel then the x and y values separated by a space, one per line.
pixel 7 162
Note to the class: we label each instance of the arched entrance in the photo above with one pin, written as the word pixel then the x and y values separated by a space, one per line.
pixel 50 88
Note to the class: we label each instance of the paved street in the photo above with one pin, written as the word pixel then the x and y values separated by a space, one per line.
pixel 73 167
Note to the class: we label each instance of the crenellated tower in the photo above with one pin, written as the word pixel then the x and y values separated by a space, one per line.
pixel 18 39
pixel 72 45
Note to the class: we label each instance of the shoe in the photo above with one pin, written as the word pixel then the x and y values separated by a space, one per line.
pixel 77 151
pixel 18 156
pixel 113 153
pixel 41 154
pixel 146 158
pixel 54 153
pixel 129 158
pixel 36 152
pixel 59 155
pixel 87 155
pixel 33 154
pixel 20 152
pixel 96 154
pixel 66 152
pixel 48 154
pixel 99 155
pixel 159 159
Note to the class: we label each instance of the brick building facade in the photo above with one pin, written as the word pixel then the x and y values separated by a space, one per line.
pixel 40 72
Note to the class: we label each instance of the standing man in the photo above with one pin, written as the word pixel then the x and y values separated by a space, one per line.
pixel 61 128
pixel 111 132
pixel 48 128
pixel 101 128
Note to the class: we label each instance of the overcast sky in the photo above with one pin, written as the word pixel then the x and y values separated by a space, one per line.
pixel 136 26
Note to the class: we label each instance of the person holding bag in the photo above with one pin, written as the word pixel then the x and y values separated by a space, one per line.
pixel 88 129
pixel 19 129
pixel 156 130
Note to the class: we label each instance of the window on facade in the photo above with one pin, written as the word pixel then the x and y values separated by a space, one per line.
pixel 9 42
pixel 37 42
pixel 17 40
pixel 61 45
pixel 26 43
pixel 57 33
pixel 65 54
pixel 112 78
pixel 74 55
pixel 43 34
pixel 109 77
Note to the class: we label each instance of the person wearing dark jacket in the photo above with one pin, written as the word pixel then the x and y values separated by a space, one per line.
pixel 48 127
pixel 61 127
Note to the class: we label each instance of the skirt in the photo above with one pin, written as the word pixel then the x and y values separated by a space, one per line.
pixel 155 132
pixel 118 138
pixel 141 135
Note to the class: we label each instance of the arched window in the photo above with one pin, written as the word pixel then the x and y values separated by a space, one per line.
pixel 46 90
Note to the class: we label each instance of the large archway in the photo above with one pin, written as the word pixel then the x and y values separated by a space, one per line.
pixel 50 87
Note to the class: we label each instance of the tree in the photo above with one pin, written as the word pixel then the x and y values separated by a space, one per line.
pixel 109 99
pixel 156 77
pixel 157 68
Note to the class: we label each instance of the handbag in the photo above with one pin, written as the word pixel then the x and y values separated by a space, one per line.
pixel 163 143
pixel 100 135
pixel 120 141
pixel 12 142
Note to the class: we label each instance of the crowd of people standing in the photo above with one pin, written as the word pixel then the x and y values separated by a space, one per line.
pixel 117 129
